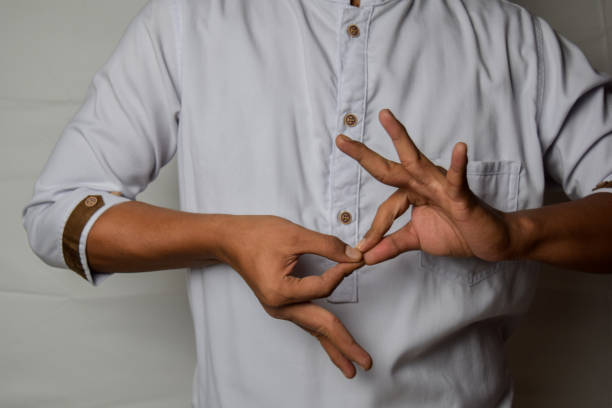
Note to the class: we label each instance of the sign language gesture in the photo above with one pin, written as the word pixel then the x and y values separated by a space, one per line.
pixel 265 250
pixel 447 218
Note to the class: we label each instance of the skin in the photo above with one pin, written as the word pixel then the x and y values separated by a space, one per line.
pixel 448 219
pixel 262 249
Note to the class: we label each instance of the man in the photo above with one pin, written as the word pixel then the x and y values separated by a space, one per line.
pixel 269 107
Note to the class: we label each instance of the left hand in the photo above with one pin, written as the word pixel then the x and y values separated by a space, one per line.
pixel 447 217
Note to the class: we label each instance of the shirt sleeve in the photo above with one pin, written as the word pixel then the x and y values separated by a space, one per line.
pixel 116 143
pixel 574 115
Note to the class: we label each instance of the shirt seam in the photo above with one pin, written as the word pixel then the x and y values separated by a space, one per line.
pixel 336 126
pixel 361 136
pixel 540 78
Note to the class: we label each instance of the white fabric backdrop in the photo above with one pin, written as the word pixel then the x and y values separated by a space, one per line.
pixel 129 342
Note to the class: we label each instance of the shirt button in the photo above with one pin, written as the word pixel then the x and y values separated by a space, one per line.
pixel 350 120
pixel 353 30
pixel 345 217
pixel 91 201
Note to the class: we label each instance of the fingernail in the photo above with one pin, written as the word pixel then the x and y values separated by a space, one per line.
pixel 344 137
pixel 352 253
pixel 360 244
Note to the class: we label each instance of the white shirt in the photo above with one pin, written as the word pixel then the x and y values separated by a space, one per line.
pixel 251 94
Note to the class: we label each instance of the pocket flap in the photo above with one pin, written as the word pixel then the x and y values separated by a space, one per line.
pixel 497 184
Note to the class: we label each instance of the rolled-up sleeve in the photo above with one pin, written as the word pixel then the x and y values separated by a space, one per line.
pixel 574 115
pixel 116 143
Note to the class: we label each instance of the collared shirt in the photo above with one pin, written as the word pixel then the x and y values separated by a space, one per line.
pixel 250 96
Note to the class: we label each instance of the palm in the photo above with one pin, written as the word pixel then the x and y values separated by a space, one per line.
pixel 447 218
pixel 435 233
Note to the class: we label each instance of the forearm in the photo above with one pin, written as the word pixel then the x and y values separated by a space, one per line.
pixel 136 237
pixel 575 234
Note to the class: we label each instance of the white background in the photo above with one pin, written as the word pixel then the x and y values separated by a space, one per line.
pixel 129 342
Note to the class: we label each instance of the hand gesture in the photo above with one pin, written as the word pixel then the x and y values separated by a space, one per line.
pixel 447 218
pixel 265 250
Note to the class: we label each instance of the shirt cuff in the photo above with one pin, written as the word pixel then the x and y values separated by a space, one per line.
pixel 76 230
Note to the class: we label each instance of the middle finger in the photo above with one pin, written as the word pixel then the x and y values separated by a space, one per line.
pixel 405 147
pixel 384 170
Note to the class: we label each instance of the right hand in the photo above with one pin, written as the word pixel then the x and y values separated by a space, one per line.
pixel 265 249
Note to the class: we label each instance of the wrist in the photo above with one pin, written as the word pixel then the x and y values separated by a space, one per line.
pixel 213 236
pixel 523 231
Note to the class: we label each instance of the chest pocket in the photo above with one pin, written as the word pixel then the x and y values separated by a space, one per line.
pixel 497 184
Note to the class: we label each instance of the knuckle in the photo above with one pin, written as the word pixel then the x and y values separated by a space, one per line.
pixel 382 176
pixel 397 247
pixel 328 289
pixel 333 240
pixel 332 322
pixel 388 166
pixel 383 208
pixel 321 331
pixel 413 165
pixel 413 183
pixel 317 333
pixel 326 284
pixel 349 343
pixel 275 312
pixel 406 163
pixel 359 152
pixel 325 326
pixel 294 240
pixel 273 297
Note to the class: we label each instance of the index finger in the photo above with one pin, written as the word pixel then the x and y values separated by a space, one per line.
pixel 316 286
pixel 324 323
pixel 384 170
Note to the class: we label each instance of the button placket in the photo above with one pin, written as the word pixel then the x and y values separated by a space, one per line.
pixel 351 114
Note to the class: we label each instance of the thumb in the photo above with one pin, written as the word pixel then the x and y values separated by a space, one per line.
pixel 456 174
pixel 387 212
pixel 392 245
pixel 328 246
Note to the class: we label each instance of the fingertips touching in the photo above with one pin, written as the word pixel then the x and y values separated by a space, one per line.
pixel 353 253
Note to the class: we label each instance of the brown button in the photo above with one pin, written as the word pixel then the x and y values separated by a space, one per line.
pixel 345 217
pixel 353 30
pixel 603 184
pixel 350 120
pixel 91 201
